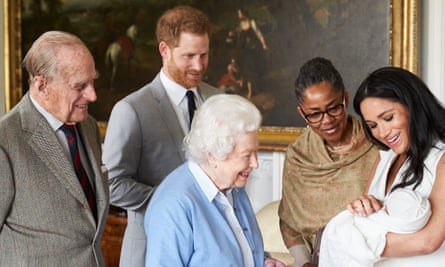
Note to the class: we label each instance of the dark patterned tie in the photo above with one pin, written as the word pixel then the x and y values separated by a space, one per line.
pixel 70 134
pixel 191 104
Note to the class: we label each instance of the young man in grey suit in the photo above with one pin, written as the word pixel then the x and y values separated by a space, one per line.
pixel 146 129
pixel 53 206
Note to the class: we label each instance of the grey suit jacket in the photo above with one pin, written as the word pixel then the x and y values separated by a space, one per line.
pixel 143 143
pixel 45 219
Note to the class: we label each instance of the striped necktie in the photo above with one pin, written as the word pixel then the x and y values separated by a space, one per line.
pixel 70 133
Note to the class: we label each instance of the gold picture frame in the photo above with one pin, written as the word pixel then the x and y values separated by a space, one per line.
pixel 403 52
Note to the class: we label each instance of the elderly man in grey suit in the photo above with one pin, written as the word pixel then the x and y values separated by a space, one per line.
pixel 146 129
pixel 53 203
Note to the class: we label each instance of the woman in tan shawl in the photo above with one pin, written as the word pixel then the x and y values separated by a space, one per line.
pixel 327 166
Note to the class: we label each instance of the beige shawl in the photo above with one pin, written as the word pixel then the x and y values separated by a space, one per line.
pixel 317 186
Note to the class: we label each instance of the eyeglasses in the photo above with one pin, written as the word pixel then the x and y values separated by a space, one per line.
pixel 334 111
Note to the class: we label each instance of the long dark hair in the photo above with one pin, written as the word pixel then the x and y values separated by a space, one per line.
pixel 426 115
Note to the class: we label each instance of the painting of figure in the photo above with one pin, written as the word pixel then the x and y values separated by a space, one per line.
pixel 256 46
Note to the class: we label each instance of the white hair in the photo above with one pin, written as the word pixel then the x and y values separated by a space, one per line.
pixel 217 124
pixel 42 58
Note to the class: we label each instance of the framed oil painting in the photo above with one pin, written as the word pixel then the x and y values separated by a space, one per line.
pixel 256 48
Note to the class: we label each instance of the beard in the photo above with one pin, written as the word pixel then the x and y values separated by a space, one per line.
pixel 180 76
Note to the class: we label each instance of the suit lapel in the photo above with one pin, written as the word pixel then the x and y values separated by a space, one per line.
pixel 168 114
pixel 47 147
pixel 207 91
pixel 92 150
pixel 42 141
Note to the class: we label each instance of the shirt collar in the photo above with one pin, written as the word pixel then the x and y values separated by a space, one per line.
pixel 53 121
pixel 175 92
pixel 204 181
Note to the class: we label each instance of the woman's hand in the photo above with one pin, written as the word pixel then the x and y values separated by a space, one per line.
pixel 365 205
pixel 271 262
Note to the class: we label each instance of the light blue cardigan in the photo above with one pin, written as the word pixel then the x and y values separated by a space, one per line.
pixel 185 229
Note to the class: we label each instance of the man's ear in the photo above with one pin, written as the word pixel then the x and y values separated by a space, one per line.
pixel 40 84
pixel 164 49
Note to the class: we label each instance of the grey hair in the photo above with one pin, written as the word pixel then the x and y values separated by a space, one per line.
pixel 41 58
pixel 217 125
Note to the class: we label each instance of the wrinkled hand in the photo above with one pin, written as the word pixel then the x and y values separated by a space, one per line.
pixel 365 205
pixel 271 262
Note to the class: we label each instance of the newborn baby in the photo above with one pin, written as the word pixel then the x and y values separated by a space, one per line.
pixel 354 240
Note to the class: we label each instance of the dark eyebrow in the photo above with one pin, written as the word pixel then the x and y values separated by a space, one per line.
pixel 383 113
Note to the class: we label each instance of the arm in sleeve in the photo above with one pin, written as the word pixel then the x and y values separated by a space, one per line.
pixel 432 236
pixel 7 189
pixel 289 234
pixel 121 156
pixel 258 33
pixel 173 244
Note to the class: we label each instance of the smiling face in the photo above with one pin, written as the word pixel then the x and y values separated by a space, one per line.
pixel 186 63
pixel 236 168
pixel 320 98
pixel 66 94
pixel 388 122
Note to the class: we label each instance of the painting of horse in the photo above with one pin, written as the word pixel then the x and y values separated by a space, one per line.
pixel 119 54
pixel 122 38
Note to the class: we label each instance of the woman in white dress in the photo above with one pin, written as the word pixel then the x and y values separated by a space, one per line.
pixel 402 116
